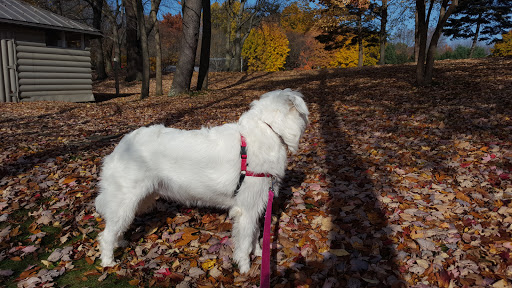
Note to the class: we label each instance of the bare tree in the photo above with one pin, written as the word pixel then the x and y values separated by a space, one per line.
pixel 141 24
pixel 155 4
pixel 191 11
pixel 133 49
pixel 97 13
pixel 115 15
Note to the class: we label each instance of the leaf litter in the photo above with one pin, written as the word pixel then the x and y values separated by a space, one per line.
pixel 393 186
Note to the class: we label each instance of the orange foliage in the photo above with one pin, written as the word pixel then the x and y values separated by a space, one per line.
pixel 170 33
pixel 315 56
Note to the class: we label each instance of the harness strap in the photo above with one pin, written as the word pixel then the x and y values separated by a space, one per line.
pixel 243 165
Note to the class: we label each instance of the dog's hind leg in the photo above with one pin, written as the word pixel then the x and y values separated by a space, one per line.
pixel 118 215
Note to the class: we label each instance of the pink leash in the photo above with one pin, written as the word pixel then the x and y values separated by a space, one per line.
pixel 265 255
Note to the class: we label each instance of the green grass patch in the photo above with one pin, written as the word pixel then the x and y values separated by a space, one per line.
pixel 76 277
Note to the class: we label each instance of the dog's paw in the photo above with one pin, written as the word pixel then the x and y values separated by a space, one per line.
pixel 108 263
pixel 244 268
pixel 243 262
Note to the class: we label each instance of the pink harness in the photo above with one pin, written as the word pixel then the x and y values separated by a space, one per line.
pixel 265 257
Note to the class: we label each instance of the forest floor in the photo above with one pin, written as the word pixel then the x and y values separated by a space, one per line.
pixel 393 185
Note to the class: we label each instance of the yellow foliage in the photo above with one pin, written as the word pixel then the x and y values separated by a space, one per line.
pixel 152 63
pixel 266 48
pixel 348 55
pixel 503 48
pixel 345 57
pixel 297 17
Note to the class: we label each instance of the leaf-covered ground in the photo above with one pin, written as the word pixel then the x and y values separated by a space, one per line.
pixel 393 186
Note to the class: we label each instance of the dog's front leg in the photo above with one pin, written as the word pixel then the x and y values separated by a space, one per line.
pixel 256 249
pixel 245 231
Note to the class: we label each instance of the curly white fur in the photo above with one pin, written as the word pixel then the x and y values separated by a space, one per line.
pixel 201 167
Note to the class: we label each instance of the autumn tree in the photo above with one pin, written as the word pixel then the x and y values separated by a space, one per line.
pixel 266 48
pixel 348 55
pixel 347 18
pixel 315 55
pixel 504 46
pixel 171 28
pixel 479 20
pixel 426 55
pixel 297 17
pixel 240 17
pixel 297 20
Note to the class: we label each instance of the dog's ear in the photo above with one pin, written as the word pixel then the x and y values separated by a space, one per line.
pixel 297 102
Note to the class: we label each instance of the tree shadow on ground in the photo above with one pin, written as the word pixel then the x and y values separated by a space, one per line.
pixel 102 97
pixel 362 253
pixel 247 77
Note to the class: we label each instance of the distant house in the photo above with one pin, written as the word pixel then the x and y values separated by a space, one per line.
pixel 44 56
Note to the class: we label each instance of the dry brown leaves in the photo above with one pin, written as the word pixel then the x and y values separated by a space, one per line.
pixel 393 186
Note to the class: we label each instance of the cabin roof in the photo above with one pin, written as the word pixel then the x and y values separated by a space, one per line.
pixel 18 12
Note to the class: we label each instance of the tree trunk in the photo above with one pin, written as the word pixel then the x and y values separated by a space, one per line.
pixel 113 16
pixel 237 42
pixel 421 41
pixel 425 68
pixel 237 49
pixel 360 41
pixel 133 49
pixel 204 62
pixel 144 91
pixel 416 36
pixel 477 34
pixel 97 9
pixel 107 57
pixel 155 4
pixel 117 55
pixel 185 68
pixel 383 33
pixel 58 3
pixel 227 62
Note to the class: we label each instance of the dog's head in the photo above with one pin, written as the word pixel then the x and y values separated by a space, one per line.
pixel 286 113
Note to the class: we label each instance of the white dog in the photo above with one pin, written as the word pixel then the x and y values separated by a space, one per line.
pixel 202 167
